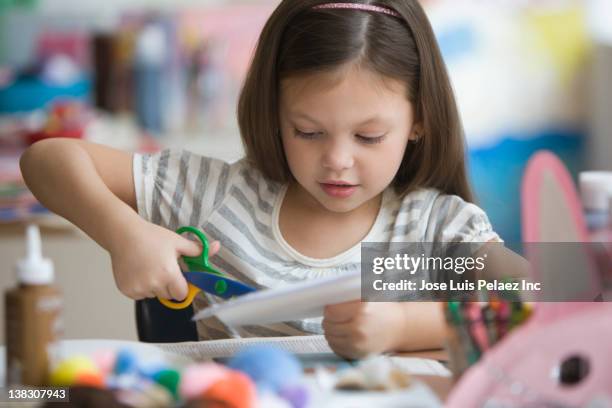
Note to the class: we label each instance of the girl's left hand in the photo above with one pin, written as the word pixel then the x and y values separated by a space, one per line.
pixel 356 329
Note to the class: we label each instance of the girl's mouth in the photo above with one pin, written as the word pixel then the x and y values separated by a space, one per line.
pixel 339 190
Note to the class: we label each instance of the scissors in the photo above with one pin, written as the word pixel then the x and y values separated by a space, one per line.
pixel 203 277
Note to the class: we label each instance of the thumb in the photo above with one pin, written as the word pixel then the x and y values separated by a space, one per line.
pixel 177 288
pixel 341 312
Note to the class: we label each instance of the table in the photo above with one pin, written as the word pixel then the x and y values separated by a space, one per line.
pixel 440 386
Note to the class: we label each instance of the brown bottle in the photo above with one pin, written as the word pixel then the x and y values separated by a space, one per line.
pixel 32 317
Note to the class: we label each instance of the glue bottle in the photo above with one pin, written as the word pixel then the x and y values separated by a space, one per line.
pixel 32 320
pixel 595 191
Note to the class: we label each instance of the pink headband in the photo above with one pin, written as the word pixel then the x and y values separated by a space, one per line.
pixel 359 6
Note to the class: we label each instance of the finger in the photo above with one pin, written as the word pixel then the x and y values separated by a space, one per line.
pixel 343 347
pixel 341 312
pixel 161 292
pixel 178 288
pixel 188 247
pixel 337 329
pixel 214 247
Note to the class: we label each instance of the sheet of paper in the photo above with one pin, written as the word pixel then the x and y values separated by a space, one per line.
pixel 420 366
pixel 209 349
pixel 299 345
pixel 291 302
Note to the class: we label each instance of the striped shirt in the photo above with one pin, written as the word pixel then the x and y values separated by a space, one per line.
pixel 236 205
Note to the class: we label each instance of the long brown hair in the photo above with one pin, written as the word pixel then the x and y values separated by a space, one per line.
pixel 298 39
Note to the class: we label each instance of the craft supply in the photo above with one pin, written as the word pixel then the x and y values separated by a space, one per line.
pixel 198 377
pixel 377 373
pixel 595 191
pixel 71 370
pixel 149 395
pixel 150 57
pixel 151 371
pixel 269 367
pixel 91 379
pixel 461 332
pixel 269 399
pixel 296 301
pixel 475 327
pixel 134 383
pixel 203 277
pixel 527 369
pixel 105 361
pixel 169 379
pixel 488 316
pixel 32 317
pixel 234 390
pixel 312 345
pixel 125 362
pixel 296 395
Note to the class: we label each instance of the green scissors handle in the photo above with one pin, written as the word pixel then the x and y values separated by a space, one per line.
pixel 194 263
pixel 198 263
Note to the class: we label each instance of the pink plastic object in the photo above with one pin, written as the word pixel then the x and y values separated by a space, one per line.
pixel 196 379
pixel 561 356
pixel 105 360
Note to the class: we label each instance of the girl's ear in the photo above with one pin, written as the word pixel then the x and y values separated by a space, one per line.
pixel 416 133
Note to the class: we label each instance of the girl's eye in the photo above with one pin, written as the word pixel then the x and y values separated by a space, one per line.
pixel 306 135
pixel 370 139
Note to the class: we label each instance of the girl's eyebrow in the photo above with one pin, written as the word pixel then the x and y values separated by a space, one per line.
pixel 365 122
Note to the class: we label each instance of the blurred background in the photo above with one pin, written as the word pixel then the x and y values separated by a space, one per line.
pixel 141 75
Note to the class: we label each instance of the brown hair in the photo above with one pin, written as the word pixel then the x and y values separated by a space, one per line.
pixel 298 39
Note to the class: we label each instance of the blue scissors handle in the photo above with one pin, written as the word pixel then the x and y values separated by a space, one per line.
pixel 217 285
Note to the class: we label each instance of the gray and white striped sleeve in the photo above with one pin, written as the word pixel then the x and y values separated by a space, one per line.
pixel 177 187
pixel 454 220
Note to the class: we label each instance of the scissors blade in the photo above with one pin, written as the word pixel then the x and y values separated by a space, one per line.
pixel 217 285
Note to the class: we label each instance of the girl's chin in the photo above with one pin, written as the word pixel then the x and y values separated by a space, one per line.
pixel 339 206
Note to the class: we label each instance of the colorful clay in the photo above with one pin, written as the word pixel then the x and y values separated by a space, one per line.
pixel 296 395
pixel 125 362
pixel 150 395
pixel 268 399
pixel 169 379
pixel 236 390
pixel 198 378
pixel 269 367
pixel 67 372
pixel 95 380
pixel 105 361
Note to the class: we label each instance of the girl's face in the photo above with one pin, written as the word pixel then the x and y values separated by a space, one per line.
pixel 344 134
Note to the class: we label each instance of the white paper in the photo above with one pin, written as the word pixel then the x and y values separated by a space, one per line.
pixel 291 302
pixel 209 349
pixel 420 366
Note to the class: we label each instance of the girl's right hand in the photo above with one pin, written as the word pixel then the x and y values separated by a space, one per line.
pixel 145 261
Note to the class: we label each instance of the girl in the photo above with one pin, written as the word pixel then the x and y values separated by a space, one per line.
pixel 351 134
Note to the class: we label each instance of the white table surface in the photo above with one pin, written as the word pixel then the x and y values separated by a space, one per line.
pixel 417 395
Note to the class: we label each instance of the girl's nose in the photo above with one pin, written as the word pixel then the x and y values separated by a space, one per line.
pixel 337 156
